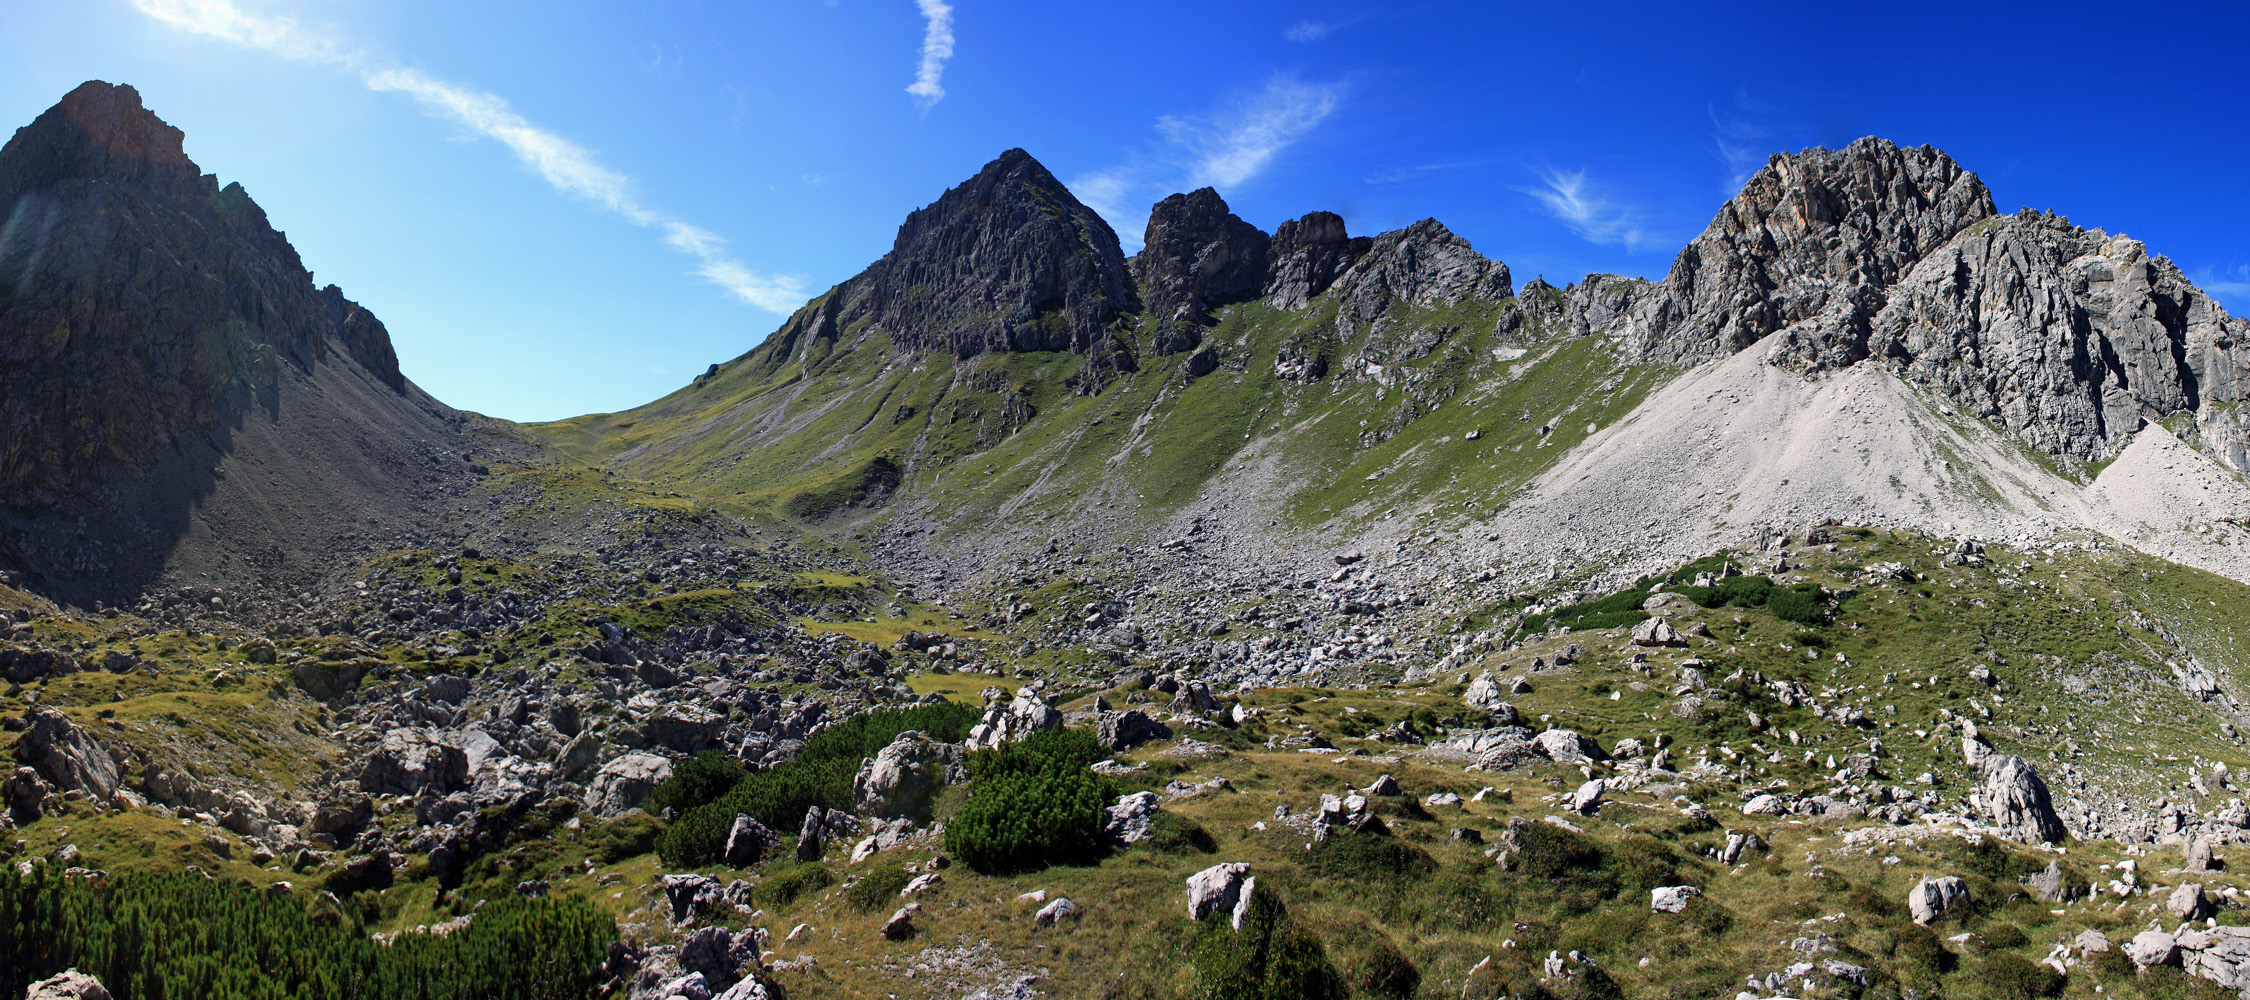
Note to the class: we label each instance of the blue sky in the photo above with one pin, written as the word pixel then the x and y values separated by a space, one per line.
pixel 564 207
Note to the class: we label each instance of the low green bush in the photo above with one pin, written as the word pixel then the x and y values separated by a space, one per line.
pixel 1033 803
pixel 695 781
pixel 877 889
pixel 2008 976
pixel 784 886
pixel 1172 833
pixel 821 775
pixel 1355 858
pixel 1386 972
pixel 1270 958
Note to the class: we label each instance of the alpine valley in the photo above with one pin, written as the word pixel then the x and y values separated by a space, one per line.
pixel 1857 612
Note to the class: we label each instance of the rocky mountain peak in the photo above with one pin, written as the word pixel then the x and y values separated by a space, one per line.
pixel 99 130
pixel 1197 255
pixel 1306 256
pixel 1009 260
pixel 1813 238
pixel 1425 265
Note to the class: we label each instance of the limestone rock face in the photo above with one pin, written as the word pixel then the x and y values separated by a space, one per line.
pixel 1306 256
pixel 2070 337
pixel 621 784
pixel 67 756
pixel 1197 255
pixel 155 331
pixel 1009 260
pixel 1809 245
pixel 1931 897
pixel 2016 800
pixel 901 778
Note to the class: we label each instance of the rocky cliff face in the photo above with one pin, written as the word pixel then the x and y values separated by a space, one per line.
pixel 1810 246
pixel 151 323
pixel 1873 253
pixel 1196 256
pixel 2069 337
pixel 1423 265
pixel 1307 255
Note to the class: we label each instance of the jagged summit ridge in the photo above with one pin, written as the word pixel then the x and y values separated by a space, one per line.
pixel 1809 245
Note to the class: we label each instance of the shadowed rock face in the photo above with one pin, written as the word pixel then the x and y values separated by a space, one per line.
pixel 1007 261
pixel 148 317
pixel 1197 255
pixel 1307 255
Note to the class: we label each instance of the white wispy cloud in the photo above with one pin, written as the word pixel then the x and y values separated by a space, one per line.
pixel 1236 144
pixel 1308 31
pixel 1568 197
pixel 937 47
pixel 2230 283
pixel 567 167
pixel 1224 148
pixel 1739 141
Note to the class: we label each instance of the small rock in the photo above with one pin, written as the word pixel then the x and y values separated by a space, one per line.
pixel 1931 897
pixel 2152 948
pixel 1052 912
pixel 1672 898
pixel 901 925
pixel 2187 902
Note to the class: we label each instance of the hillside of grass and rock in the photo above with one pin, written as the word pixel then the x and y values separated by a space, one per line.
pixel 1855 612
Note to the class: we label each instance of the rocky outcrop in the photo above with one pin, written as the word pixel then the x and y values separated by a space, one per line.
pixel 902 778
pixel 410 762
pixel 1020 717
pixel 1424 265
pixel 1007 261
pixel 1217 889
pixel 69 985
pixel 2016 801
pixel 1129 818
pixel 621 784
pixel 748 842
pixel 1122 731
pixel 1197 255
pixel 1931 897
pixel 1306 256
pixel 67 756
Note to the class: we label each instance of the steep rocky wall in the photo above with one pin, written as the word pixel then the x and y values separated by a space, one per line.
pixel 153 326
